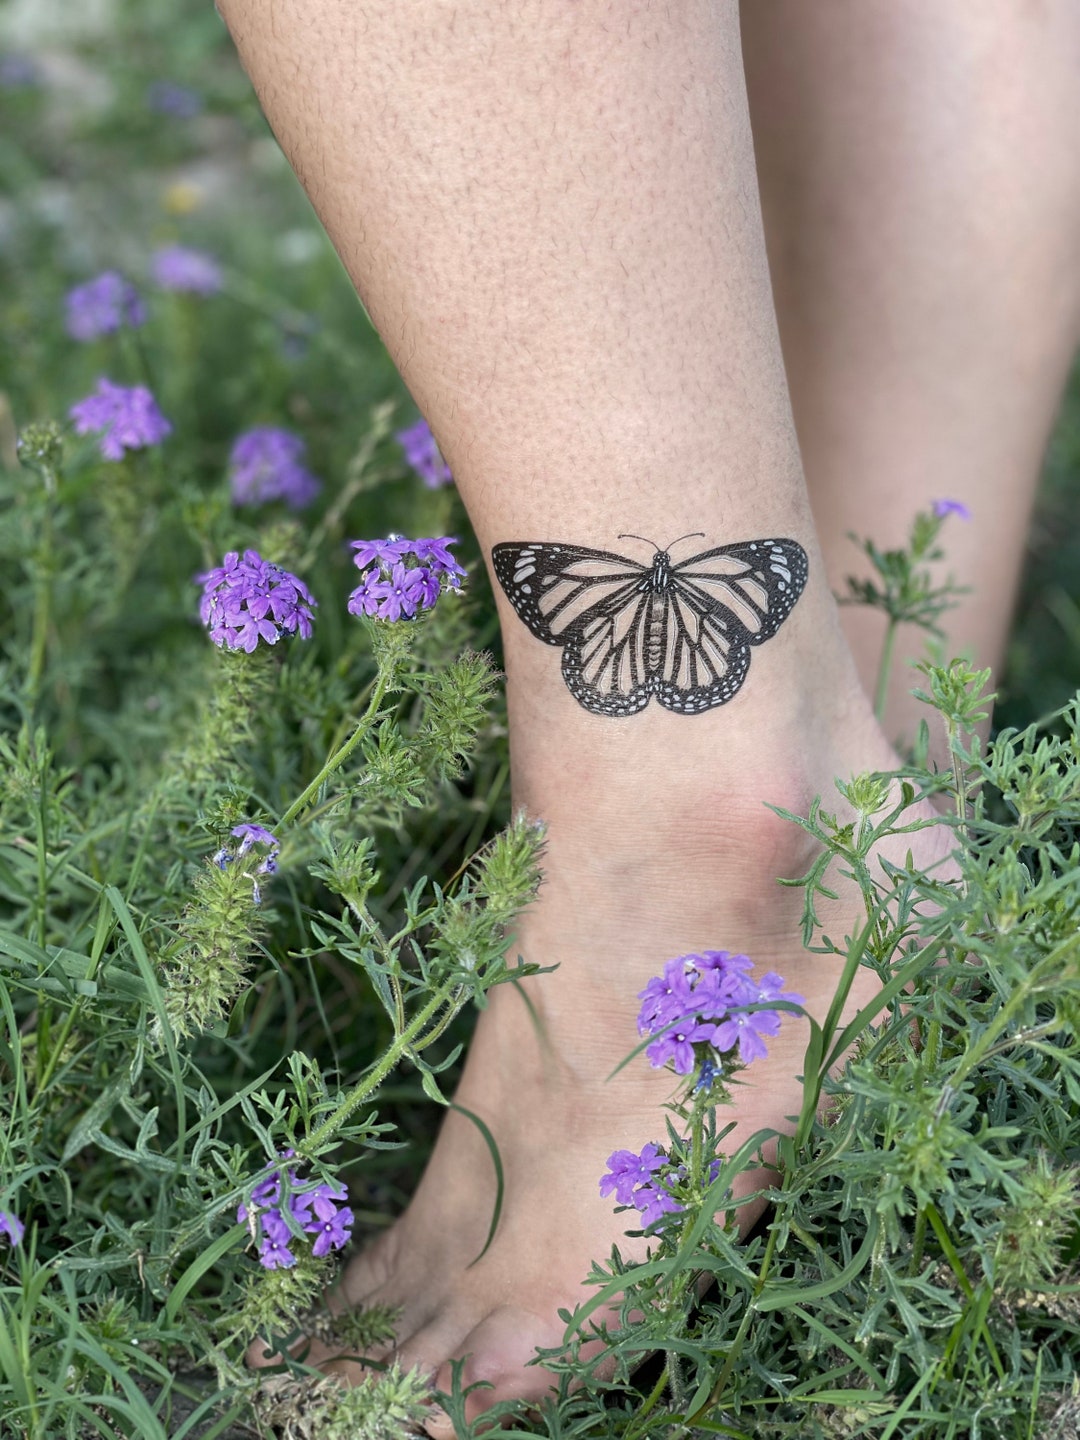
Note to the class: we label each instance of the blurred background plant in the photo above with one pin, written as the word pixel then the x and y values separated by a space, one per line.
pixel 142 1107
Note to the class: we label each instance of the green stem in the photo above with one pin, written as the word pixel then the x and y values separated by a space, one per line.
pixel 697 1142
pixel 918 1245
pixel 741 1334
pixel 338 758
pixel 646 1409
pixel 444 1021
pixel 42 606
pixel 397 1052
pixel 881 689
pixel 42 903
pixel 959 779
pixel 675 1381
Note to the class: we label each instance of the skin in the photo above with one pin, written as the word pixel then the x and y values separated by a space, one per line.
pixel 918 176
pixel 552 213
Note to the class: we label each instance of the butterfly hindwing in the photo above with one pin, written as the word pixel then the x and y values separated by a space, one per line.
pixel 704 659
pixel 605 661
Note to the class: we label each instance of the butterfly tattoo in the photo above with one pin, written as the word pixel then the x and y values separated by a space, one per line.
pixel 680 631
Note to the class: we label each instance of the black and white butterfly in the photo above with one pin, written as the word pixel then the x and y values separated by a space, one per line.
pixel 681 631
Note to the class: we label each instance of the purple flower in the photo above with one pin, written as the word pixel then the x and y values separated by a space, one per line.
pixel 126 418
pixel 331 1221
pixel 428 588
pixel 422 455
pixel 653 1201
pixel 771 987
pixel 951 507
pixel 250 599
pixel 318 1211
pixel 401 593
pixel 718 990
pixel 250 835
pixel 332 1233
pixel 699 1004
pixel 369 595
pixel 676 1046
pixel 402 577
pixel 436 554
pixel 626 1171
pixel 102 306
pixel 265 465
pixel 745 1028
pixel 169 98
pixel 11 1226
pixel 266 1192
pixel 325 1199
pixel 666 998
pixel 381 552
pixel 636 1180
pixel 274 1253
pixel 179 267
pixel 722 960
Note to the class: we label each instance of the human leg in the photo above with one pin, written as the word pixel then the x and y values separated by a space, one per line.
pixel 921 198
pixel 551 213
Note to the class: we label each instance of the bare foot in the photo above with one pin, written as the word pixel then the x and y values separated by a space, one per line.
pixel 662 848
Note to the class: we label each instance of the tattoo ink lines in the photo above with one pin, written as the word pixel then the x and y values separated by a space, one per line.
pixel 679 631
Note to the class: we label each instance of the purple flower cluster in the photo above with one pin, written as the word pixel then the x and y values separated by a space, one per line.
pixel 422 455
pixel 248 599
pixel 103 306
pixel 126 418
pixel 180 268
pixel 265 464
pixel 12 1227
pixel 635 1181
pixel 249 836
pixel 318 1212
pixel 951 507
pixel 402 577
pixel 697 1010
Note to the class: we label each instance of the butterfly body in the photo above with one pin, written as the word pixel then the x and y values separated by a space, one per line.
pixel 679 632
pixel 657 583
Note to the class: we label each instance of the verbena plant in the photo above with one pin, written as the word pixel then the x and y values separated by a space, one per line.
pixel 177 890
pixel 245 898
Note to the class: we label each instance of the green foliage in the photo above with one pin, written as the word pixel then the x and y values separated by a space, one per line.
pixel 170 1012
pixel 385 1406
pixel 916 1274
pixel 904 589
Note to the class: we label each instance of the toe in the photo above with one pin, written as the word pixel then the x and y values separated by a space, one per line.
pixel 496 1354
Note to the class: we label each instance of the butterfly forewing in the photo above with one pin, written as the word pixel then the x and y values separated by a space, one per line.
pixel 758 581
pixel 553 587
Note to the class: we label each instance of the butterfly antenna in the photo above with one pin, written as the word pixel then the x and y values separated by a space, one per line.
pixel 693 535
pixel 643 538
